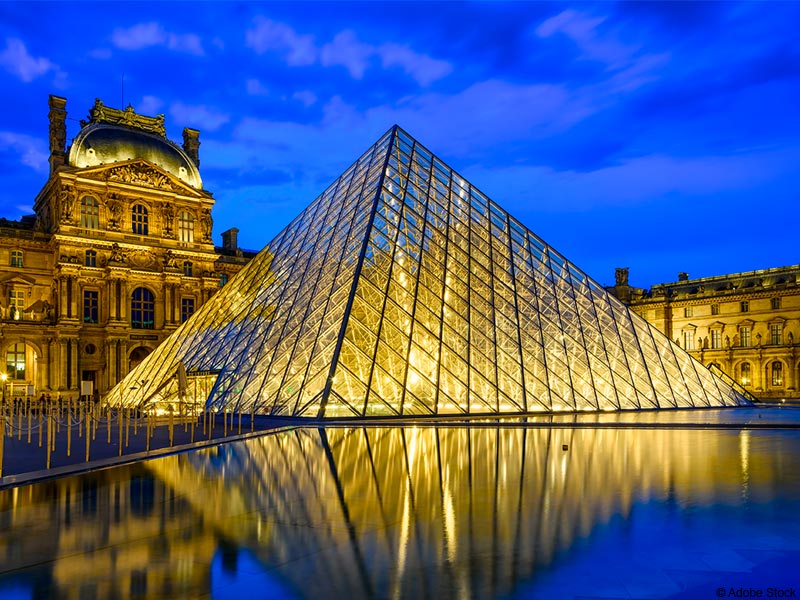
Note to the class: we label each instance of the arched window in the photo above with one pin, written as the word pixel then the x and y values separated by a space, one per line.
pixel 223 279
pixel 91 258
pixel 745 372
pixel 187 268
pixel 15 361
pixel 139 220
pixel 90 213
pixel 143 307
pixel 777 373
pixel 185 227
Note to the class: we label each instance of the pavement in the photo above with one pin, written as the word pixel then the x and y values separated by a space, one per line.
pixel 24 462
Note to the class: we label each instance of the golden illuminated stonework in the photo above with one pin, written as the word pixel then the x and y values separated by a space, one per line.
pixel 402 290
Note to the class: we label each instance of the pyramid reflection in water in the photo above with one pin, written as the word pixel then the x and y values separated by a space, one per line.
pixel 403 290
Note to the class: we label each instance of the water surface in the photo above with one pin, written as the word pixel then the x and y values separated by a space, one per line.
pixel 420 512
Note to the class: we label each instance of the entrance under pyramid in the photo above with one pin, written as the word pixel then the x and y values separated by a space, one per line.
pixel 402 290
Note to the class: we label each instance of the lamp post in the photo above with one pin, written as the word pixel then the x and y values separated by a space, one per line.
pixel 4 378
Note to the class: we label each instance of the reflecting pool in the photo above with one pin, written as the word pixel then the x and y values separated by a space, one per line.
pixel 420 512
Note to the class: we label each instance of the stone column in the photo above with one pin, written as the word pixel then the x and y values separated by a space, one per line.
pixel 62 297
pixel 61 371
pixel 76 377
pixel 74 303
pixel 124 301
pixel 112 300
pixel 169 313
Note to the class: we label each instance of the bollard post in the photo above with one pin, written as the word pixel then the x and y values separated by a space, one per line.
pixel 41 419
pixel 19 421
pixel 69 431
pixel 225 422
pixel 127 425
pixel 171 422
pixel 120 418
pixel 49 440
pixel 240 422
pixel 3 435
pixel 192 426
pixel 88 432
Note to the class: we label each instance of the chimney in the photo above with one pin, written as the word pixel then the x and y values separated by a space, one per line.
pixel 683 276
pixel 229 241
pixel 58 131
pixel 191 145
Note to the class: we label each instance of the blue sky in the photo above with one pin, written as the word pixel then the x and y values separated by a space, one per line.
pixel 663 137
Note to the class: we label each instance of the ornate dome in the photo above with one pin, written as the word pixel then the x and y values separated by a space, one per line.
pixel 103 143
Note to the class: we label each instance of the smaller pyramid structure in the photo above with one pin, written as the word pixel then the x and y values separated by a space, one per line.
pixel 402 290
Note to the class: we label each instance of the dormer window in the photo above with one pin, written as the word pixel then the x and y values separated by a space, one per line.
pixel 139 219
pixel 90 213
pixel 16 258
pixel 186 226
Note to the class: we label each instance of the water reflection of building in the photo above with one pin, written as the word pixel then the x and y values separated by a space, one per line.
pixel 744 323
pixel 117 255
pixel 423 512
pixel 381 512
pixel 113 534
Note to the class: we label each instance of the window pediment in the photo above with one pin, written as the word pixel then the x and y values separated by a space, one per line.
pixel 16 279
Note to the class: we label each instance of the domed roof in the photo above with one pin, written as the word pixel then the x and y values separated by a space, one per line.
pixel 103 143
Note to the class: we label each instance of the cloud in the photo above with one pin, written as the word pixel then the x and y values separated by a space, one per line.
pixel 31 151
pixel 256 88
pixel 346 50
pixel 139 36
pixel 146 35
pixel 16 60
pixel 424 69
pixel 634 181
pixel 150 105
pixel 307 97
pixel 100 53
pixel 298 50
pixel 198 115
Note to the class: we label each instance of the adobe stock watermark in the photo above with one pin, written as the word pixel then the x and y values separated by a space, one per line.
pixel 750 592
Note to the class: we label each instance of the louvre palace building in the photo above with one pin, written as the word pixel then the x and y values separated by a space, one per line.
pixel 746 324
pixel 117 255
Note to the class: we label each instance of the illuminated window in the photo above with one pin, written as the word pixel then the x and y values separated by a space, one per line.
pixel 142 309
pixel 223 279
pixel 15 361
pixel 185 227
pixel 16 258
pixel 187 308
pixel 744 337
pixel 90 213
pixel 91 258
pixel 776 334
pixel 716 339
pixel 745 373
pixel 687 312
pixel 715 309
pixel 187 268
pixel 90 306
pixel 688 340
pixel 776 303
pixel 139 220
pixel 777 373
pixel 744 306
pixel 16 304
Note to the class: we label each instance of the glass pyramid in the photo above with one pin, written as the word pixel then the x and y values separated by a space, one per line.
pixel 402 290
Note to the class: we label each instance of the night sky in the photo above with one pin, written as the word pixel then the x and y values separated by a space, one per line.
pixel 663 137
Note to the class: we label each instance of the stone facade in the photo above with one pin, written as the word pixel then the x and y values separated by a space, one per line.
pixel 118 254
pixel 748 324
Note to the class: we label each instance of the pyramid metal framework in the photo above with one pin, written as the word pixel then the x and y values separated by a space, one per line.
pixel 402 290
